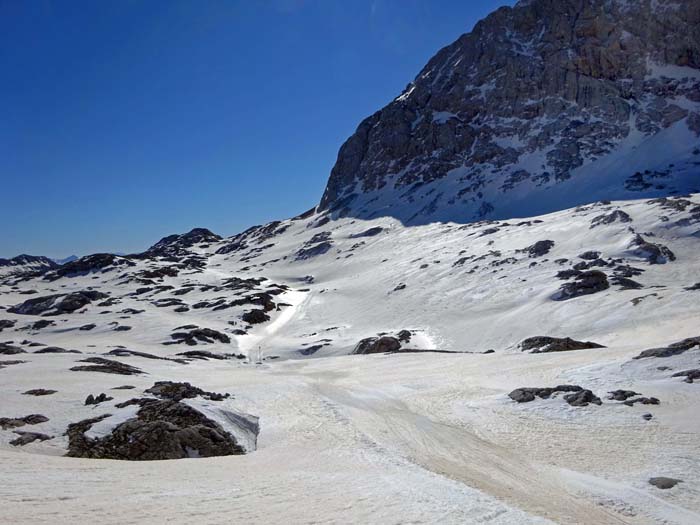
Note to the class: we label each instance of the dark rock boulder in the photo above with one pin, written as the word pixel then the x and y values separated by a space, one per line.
pixel 664 483
pixel 6 363
pixel 625 283
pixel 162 429
pixel 255 317
pixel 543 344
pixel 25 438
pixel 159 273
pixel 539 249
pixel 56 350
pixel 377 345
pixel 203 335
pixel 585 283
pixel 523 395
pixel 609 218
pixel 582 398
pixel 96 400
pixel 690 375
pixel 204 354
pixel 527 394
pixel 642 400
pixel 622 395
pixel 14 422
pixel 313 251
pixel 672 349
pixel 125 352
pixel 179 391
pixel 107 366
pixel 568 273
pixel 39 392
pixel 404 336
pixel 8 349
pixel 6 323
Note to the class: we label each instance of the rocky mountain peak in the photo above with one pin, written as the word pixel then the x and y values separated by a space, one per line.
pixel 28 260
pixel 547 104
pixel 176 243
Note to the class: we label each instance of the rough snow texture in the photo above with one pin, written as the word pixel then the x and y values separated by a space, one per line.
pixel 546 105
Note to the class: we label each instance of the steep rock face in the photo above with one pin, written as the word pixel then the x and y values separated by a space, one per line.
pixel 550 93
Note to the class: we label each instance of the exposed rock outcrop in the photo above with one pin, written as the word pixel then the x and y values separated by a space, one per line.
pixel 527 394
pixel 15 422
pixel 202 335
pixel 542 344
pixel 165 428
pixel 107 366
pixel 584 283
pixel 39 392
pixel 179 391
pixel 57 304
pixel 653 253
pixel 664 483
pixel 377 345
pixel 25 438
pixel 672 349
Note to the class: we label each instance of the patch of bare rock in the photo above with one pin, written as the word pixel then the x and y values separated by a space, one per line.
pixel 165 427
pixel 575 395
pixel 543 344
pixel 673 349
pixel 25 438
pixel 107 366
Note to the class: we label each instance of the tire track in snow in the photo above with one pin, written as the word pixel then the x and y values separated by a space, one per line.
pixel 459 455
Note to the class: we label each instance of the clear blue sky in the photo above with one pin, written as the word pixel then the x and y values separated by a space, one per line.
pixel 122 121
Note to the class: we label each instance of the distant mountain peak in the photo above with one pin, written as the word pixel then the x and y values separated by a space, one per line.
pixel 65 260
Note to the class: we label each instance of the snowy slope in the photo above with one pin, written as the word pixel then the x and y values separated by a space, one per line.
pixel 386 438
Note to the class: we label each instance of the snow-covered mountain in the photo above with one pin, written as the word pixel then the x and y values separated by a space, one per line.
pixel 547 105
pixel 23 264
pixel 491 317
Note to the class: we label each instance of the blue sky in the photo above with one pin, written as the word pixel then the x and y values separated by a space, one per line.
pixel 123 121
